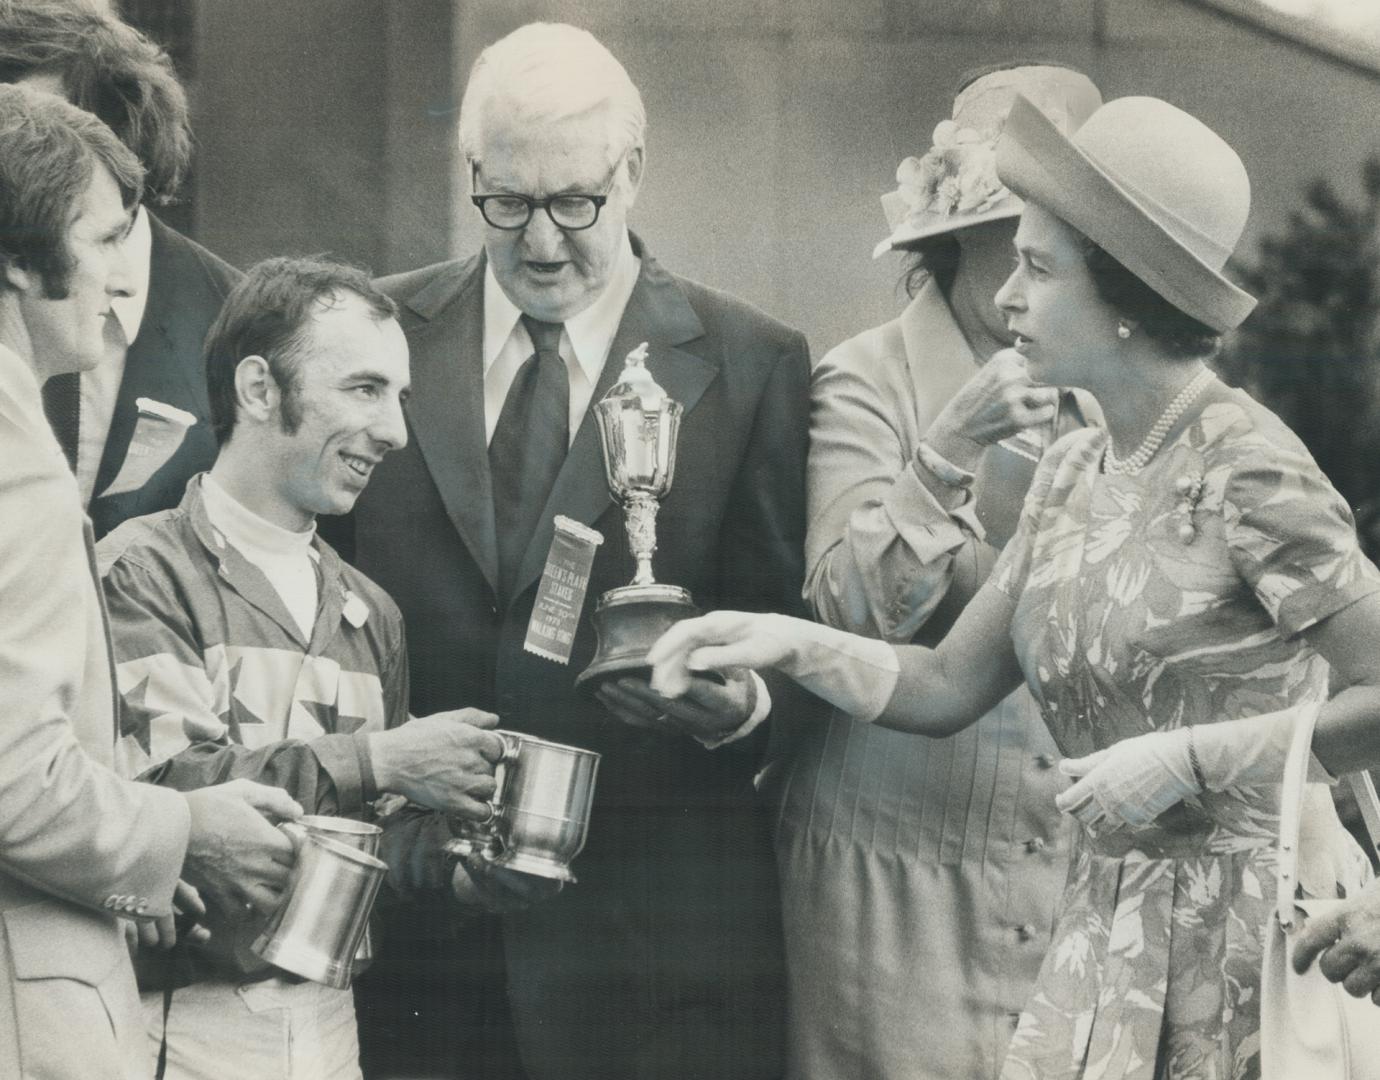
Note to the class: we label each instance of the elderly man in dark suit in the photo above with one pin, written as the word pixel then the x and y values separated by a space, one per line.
pixel 664 960
pixel 137 426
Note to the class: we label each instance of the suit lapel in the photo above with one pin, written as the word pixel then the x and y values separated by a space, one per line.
pixel 659 314
pixel 446 409
pixel 163 360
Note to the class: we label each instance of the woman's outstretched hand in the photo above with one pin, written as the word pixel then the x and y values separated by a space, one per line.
pixel 722 641
pixel 856 674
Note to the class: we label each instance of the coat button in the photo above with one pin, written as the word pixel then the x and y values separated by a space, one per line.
pixel 1045 761
pixel 1034 844
pixel 1025 932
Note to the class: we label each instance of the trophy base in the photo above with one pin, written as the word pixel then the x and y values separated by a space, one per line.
pixel 627 622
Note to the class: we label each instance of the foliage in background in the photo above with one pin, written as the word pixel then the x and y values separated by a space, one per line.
pixel 1311 349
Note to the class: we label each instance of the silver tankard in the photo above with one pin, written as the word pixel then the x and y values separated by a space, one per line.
pixel 539 815
pixel 317 929
pixel 358 834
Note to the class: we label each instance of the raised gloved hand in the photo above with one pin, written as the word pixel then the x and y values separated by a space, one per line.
pixel 1136 780
pixel 856 674
pixel 999 401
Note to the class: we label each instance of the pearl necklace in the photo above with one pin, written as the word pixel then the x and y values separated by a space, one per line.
pixel 1141 455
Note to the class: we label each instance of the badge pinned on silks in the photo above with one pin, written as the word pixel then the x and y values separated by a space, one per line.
pixel 158 435
pixel 561 593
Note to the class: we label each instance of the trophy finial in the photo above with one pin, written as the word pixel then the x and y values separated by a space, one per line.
pixel 635 381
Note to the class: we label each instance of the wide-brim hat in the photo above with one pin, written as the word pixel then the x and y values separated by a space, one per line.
pixel 954 185
pixel 1154 187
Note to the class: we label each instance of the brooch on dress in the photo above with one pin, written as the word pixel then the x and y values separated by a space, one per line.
pixel 1190 489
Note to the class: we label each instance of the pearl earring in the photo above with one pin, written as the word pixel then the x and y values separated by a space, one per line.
pixel 1122 330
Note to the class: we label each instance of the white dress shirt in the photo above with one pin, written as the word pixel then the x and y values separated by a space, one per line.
pixel 101 385
pixel 585 340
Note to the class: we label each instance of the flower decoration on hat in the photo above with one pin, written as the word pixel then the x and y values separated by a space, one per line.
pixel 955 185
pixel 958 175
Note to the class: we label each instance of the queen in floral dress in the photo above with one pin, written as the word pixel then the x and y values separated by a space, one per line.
pixel 1150 601
pixel 1181 584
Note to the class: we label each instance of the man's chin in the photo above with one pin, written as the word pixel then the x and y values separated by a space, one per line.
pixel 550 300
pixel 342 502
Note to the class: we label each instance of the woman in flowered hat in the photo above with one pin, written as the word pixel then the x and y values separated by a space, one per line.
pixel 1177 589
pixel 943 858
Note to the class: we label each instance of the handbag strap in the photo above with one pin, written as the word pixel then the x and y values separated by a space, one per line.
pixel 1291 812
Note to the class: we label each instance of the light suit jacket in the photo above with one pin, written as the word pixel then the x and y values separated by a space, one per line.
pixel 78 845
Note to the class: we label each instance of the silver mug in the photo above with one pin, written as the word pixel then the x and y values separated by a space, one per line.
pixel 539 815
pixel 317 929
pixel 358 834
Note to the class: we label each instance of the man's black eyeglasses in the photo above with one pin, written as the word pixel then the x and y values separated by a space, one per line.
pixel 569 212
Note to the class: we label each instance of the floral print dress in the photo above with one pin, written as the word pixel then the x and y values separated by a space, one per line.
pixel 1125 623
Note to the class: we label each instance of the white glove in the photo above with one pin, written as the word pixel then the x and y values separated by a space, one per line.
pixel 1131 783
pixel 1138 779
pixel 856 674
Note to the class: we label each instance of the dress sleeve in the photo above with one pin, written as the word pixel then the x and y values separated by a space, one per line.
pixel 1291 536
pixel 1013 565
pixel 882 549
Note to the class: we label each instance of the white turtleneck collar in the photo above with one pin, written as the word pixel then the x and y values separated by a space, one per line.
pixel 286 558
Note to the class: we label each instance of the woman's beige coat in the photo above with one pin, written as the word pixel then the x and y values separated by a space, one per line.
pixel 919 876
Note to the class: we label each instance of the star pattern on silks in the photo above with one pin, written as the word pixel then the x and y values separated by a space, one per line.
pixel 136 706
pixel 323 713
pixel 241 716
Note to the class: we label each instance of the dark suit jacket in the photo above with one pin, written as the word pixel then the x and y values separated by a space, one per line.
pixel 664 960
pixel 187 285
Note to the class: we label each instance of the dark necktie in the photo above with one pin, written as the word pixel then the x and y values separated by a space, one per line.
pixel 62 406
pixel 528 447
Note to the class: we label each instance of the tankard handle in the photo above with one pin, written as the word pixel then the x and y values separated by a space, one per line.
pixel 484 838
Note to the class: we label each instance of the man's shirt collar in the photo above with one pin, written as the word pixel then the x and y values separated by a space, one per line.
pixel 588 333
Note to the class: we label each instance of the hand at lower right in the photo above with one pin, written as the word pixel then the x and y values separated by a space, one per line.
pixel 236 859
pixel 1345 941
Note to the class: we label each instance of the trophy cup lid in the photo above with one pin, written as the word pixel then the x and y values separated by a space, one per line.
pixel 636 381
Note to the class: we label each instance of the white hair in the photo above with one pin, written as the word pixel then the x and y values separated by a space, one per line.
pixel 549 72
